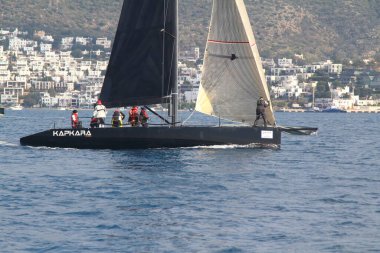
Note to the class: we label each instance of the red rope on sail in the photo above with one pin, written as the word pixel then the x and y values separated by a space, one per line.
pixel 231 42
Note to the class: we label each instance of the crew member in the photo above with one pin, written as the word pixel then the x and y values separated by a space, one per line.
pixel 133 116
pixel 260 110
pixel 94 122
pixel 75 123
pixel 117 118
pixel 143 117
pixel 100 113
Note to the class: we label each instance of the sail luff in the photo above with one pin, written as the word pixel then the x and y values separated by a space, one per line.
pixel 203 103
pixel 233 78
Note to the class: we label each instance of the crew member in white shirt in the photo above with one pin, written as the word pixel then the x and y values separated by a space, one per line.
pixel 100 113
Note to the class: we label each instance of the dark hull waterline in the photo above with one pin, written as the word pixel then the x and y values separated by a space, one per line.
pixel 153 137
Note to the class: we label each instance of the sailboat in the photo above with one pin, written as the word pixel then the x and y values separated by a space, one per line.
pixel 143 70
pixel 16 107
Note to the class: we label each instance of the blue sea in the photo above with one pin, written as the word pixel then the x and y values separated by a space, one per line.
pixel 316 193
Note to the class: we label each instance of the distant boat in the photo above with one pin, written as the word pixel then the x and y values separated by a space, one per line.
pixel 333 110
pixel 2 111
pixel 16 108
pixel 314 109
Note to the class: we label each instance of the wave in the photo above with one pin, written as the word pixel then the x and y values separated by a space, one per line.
pixel 8 144
pixel 234 146
pixel 21 117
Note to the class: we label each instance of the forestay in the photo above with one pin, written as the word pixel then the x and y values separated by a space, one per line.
pixel 233 78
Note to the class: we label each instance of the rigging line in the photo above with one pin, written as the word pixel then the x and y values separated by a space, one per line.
pixel 171 63
pixel 172 56
pixel 183 123
pixel 166 3
pixel 163 48
pixel 158 115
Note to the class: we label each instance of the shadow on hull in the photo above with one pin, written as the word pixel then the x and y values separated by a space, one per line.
pixel 153 137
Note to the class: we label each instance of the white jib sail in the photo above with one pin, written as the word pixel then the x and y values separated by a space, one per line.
pixel 233 78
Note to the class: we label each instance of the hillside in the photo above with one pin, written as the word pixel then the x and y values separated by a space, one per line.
pixel 318 28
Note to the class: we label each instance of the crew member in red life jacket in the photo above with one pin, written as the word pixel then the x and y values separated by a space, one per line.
pixel 143 118
pixel 134 116
pixel 117 118
pixel 75 123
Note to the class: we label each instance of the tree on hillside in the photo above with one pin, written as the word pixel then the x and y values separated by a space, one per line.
pixel 337 84
pixel 358 63
pixel 377 57
pixel 52 92
pixel 33 98
pixel 76 53
pixel 320 75
pixel 323 90
pixel 5 43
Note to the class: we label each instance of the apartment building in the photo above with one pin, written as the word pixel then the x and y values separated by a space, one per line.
pixel 104 42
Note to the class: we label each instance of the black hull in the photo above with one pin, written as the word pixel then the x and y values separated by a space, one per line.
pixel 153 137
pixel 2 111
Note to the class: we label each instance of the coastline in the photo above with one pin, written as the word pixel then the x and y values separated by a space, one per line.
pixel 355 110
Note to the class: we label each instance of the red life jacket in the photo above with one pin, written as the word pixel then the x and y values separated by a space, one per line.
pixel 133 113
pixel 144 114
pixel 74 118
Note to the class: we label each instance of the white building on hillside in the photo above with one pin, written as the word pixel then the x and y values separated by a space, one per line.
pixel 45 47
pixel 106 43
pixel 83 41
pixel 285 63
pixel 67 42
pixel 335 68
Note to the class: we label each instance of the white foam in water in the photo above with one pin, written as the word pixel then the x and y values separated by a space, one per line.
pixel 4 143
pixel 234 146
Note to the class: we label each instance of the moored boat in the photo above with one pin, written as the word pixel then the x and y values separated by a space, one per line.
pixel 334 110
pixel 16 108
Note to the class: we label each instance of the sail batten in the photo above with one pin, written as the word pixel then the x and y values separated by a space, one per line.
pixel 233 78
pixel 142 65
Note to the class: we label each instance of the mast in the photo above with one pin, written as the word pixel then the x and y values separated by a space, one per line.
pixel 174 100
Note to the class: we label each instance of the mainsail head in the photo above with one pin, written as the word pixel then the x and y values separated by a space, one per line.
pixel 233 78
pixel 142 67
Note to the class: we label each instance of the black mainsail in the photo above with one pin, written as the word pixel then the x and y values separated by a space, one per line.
pixel 143 65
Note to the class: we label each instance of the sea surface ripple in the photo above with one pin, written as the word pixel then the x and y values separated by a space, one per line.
pixel 316 194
